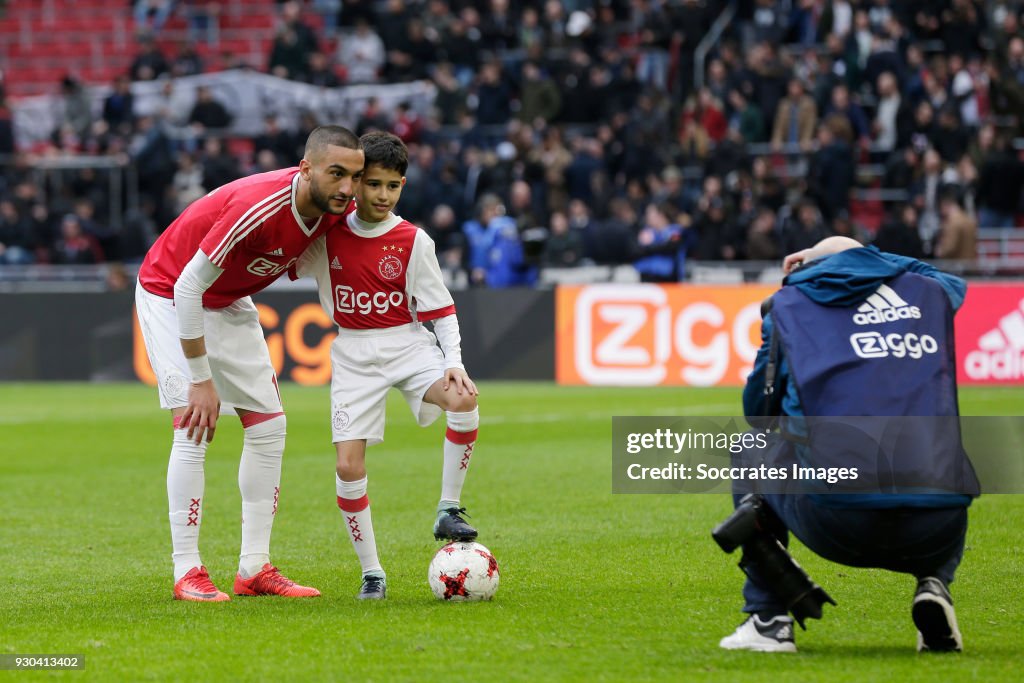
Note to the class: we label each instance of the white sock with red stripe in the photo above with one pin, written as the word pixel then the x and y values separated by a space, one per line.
pixel 355 510
pixel 259 480
pixel 185 482
pixel 458 449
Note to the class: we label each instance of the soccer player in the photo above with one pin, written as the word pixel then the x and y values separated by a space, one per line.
pixel 205 343
pixel 380 281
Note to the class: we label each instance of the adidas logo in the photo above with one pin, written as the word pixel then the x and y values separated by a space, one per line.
pixel 277 252
pixel 884 306
pixel 335 264
pixel 1000 352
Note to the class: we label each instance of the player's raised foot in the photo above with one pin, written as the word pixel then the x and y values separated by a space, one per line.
pixel 375 587
pixel 270 581
pixel 933 614
pixel 197 587
pixel 451 526
pixel 757 635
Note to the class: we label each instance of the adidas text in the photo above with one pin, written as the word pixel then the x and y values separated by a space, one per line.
pixel 887 315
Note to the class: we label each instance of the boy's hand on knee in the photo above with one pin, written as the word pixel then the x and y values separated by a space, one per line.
pixel 461 380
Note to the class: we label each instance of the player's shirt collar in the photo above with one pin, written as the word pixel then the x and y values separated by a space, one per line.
pixel 308 230
pixel 363 229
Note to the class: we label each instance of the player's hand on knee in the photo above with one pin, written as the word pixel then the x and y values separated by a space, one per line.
pixel 462 382
pixel 203 409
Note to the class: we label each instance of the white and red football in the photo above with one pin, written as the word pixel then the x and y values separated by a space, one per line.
pixel 462 572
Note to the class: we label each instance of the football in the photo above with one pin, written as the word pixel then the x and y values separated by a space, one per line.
pixel 463 571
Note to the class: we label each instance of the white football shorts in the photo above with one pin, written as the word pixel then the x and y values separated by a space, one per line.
pixel 239 358
pixel 366 363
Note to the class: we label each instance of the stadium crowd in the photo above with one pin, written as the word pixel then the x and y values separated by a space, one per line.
pixel 566 133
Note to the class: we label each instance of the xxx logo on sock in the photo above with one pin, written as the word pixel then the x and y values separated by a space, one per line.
pixel 353 528
pixel 466 455
pixel 193 512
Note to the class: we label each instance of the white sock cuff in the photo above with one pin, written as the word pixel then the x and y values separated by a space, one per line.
pixel 275 426
pixel 351 489
pixel 186 449
pixel 464 422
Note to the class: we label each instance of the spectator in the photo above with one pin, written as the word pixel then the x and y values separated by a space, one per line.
pixel 762 241
pixel 208 112
pixel 119 107
pixel 278 141
pixel 746 118
pixel 832 170
pixel 958 238
pixel 888 113
pixel 220 167
pixel 203 17
pixel 492 96
pixel 803 230
pixel 612 240
pixel 662 245
pixel 952 138
pixel 372 118
pixel 187 62
pixel 841 104
pixel 76 113
pixel 188 182
pixel 151 15
pixel 926 196
pixel 291 20
pixel 362 53
pixel 149 64
pixel 407 124
pixel 717 238
pixel 539 99
pixel 449 242
pixel 451 96
pixel 899 235
pixel 74 246
pixel 289 58
pixel 555 159
pixel 795 118
pixel 321 72
pixel 999 187
pixel 16 240
pixel 564 246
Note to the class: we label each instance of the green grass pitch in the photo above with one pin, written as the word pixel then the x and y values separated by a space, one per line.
pixel 594 586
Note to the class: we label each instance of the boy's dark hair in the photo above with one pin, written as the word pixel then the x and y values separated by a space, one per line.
pixel 385 150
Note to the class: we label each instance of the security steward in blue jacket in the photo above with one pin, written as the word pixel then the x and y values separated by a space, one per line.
pixel 856 332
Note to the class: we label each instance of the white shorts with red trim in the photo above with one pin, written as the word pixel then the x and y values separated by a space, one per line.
pixel 239 358
pixel 365 364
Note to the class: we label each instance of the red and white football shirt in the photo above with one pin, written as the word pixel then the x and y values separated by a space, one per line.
pixel 374 276
pixel 249 227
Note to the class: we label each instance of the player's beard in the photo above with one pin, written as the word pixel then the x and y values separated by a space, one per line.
pixel 322 200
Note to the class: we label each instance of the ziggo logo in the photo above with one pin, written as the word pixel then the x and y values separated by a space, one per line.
pixel 645 334
pixel 347 300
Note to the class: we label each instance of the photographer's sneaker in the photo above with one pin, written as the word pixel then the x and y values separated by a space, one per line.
pixel 934 617
pixel 197 587
pixel 774 635
pixel 451 526
pixel 375 587
pixel 270 581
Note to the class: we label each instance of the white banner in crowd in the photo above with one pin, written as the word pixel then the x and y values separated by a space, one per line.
pixel 248 95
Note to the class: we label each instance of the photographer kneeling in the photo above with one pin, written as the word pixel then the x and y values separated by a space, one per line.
pixel 856 332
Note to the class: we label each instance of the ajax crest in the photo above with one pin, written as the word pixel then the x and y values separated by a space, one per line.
pixel 389 267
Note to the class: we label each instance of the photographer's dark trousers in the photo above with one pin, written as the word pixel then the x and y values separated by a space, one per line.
pixel 918 541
